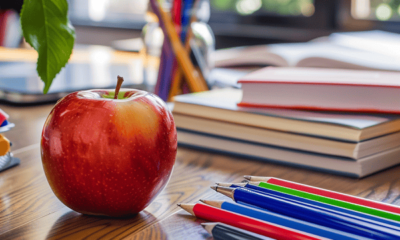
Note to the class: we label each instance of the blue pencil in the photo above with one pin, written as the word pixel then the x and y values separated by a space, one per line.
pixel 283 220
pixel 166 78
pixel 163 81
pixel 310 214
pixel 157 88
pixel 343 211
pixel 186 15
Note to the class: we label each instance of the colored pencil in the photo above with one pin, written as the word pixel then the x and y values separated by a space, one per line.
pixel 195 84
pixel 310 214
pixel 166 78
pixel 283 220
pixel 171 64
pixel 161 67
pixel 330 194
pixel 164 53
pixel 221 231
pixel 176 13
pixel 177 78
pixel 343 211
pixel 186 17
pixel 332 201
pixel 250 224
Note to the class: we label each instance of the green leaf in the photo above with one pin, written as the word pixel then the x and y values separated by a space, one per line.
pixel 46 28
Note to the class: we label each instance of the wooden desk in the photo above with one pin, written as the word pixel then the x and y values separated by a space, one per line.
pixel 30 210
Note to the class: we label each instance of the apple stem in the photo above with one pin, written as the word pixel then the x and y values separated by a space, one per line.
pixel 119 83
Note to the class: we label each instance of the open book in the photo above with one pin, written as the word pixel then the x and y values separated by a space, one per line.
pixel 363 50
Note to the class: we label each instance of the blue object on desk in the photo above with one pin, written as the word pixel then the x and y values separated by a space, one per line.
pixel 6 127
pixel 5 123
pixel 314 215
pixel 289 222
pixel 326 207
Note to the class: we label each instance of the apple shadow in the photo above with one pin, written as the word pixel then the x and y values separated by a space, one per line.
pixel 76 225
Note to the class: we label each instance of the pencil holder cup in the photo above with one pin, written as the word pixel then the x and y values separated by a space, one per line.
pixel 202 44
pixel 153 38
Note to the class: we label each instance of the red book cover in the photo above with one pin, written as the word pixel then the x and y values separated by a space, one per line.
pixel 322 89
pixel 323 76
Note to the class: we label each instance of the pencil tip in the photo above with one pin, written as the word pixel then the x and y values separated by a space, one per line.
pixel 214 188
pixel 208 227
pixel 207 223
pixel 247 177
pixel 202 200
pixel 179 204
pixel 217 183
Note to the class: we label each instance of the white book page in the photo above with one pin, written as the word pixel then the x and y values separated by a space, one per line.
pixel 244 56
pixel 380 42
pixel 329 55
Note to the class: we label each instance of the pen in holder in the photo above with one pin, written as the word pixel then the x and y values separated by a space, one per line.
pixel 180 71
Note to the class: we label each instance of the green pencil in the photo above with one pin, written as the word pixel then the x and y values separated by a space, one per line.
pixel 331 201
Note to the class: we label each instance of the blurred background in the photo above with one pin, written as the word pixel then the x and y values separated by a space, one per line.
pixel 122 37
pixel 242 22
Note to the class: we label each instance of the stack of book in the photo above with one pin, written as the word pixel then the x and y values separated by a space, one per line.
pixel 268 125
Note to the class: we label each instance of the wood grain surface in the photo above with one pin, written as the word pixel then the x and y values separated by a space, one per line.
pixel 30 210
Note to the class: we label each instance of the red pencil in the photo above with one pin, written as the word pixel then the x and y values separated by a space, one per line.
pixel 327 193
pixel 250 224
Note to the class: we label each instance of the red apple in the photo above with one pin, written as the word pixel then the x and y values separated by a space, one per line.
pixel 105 156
